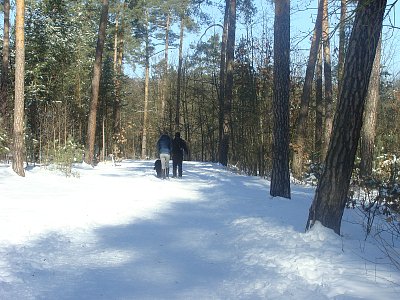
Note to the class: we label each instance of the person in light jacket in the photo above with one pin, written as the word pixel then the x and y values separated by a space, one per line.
pixel 164 146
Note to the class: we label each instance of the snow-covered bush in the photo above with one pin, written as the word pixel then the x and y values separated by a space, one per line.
pixel 378 200
pixel 4 149
pixel 62 157
pixel 313 173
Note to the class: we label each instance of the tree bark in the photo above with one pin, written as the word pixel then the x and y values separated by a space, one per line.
pixel 91 132
pixel 342 42
pixel 165 71
pixel 227 105
pixel 319 111
pixel 328 77
pixel 18 134
pixel 280 177
pixel 146 92
pixel 5 66
pixel 179 79
pixel 118 56
pixel 331 194
pixel 368 130
pixel 222 80
pixel 301 122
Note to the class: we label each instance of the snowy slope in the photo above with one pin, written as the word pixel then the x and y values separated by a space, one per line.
pixel 118 232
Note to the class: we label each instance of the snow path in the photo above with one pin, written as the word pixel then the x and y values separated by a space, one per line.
pixel 120 233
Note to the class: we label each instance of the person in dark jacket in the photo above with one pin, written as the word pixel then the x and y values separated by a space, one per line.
pixel 164 146
pixel 179 148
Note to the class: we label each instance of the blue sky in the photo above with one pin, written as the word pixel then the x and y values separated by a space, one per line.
pixel 302 23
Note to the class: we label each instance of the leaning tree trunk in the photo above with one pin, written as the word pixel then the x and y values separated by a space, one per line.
pixel 18 135
pixel 368 130
pixel 5 66
pixel 301 122
pixel 280 177
pixel 91 132
pixel 227 105
pixel 331 194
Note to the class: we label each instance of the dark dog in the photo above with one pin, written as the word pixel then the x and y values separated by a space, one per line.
pixel 157 167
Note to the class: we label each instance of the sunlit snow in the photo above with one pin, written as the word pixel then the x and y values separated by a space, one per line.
pixel 118 232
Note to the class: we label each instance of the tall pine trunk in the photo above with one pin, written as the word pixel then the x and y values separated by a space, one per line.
pixel 179 79
pixel 5 67
pixel 368 130
pixel 228 97
pixel 280 178
pixel 91 132
pixel 328 77
pixel 18 134
pixel 164 87
pixel 222 80
pixel 331 194
pixel 118 57
pixel 342 42
pixel 146 91
pixel 319 110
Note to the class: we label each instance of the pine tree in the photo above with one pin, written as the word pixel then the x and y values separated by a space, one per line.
pixel 280 178
pixel 18 135
pixel 5 67
pixel 227 96
pixel 331 194
pixel 91 132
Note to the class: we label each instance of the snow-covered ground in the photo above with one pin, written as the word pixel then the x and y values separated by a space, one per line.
pixel 118 232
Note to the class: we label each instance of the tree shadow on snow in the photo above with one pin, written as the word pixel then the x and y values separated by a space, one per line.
pixel 184 252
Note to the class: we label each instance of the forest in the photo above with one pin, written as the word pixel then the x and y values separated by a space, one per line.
pixel 251 99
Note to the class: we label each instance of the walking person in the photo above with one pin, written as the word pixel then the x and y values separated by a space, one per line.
pixel 164 146
pixel 179 147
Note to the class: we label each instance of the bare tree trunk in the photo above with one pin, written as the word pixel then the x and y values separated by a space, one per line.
pixel 145 110
pixel 301 123
pixel 318 109
pixel 186 123
pixel 91 132
pixel 179 83
pixel 342 42
pixel 368 131
pixel 116 102
pixel 331 194
pixel 118 56
pixel 146 93
pixel 227 105
pixel 328 78
pixel 165 75
pixel 5 66
pixel 222 80
pixel 18 135
pixel 280 178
